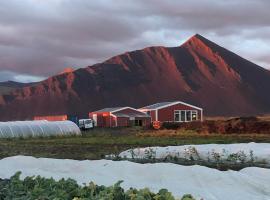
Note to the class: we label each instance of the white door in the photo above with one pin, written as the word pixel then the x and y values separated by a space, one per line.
pixel 95 119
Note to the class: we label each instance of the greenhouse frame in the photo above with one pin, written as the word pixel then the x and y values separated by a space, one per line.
pixel 41 128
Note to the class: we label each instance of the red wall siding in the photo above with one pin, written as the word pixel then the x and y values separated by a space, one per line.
pixel 122 121
pixel 167 114
pixel 153 115
pixel 113 121
pixel 105 120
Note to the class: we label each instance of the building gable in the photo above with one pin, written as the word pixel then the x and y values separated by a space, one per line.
pixel 161 105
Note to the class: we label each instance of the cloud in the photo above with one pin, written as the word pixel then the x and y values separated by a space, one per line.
pixel 43 37
pixel 24 78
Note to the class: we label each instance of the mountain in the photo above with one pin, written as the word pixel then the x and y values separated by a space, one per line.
pixel 199 72
pixel 8 86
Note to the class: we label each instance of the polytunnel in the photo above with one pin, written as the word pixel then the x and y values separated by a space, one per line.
pixel 38 129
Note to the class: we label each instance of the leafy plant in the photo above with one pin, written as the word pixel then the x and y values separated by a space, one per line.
pixel 187 197
pixel 39 188
pixel 191 153
pixel 150 153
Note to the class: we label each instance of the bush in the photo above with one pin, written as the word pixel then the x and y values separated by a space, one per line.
pixel 38 188
pixel 187 197
pixel 194 126
pixel 237 125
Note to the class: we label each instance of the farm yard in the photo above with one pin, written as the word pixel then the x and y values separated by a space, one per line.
pixel 134 100
pixel 97 143
pixel 98 155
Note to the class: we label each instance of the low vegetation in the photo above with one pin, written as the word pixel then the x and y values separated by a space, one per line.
pixel 32 188
pixel 223 160
pixel 97 143
pixel 239 125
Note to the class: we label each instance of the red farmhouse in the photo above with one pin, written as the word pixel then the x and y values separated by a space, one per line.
pixel 120 117
pixel 176 111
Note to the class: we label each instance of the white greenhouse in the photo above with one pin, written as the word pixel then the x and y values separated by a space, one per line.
pixel 41 128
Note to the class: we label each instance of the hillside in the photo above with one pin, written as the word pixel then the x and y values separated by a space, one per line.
pixel 199 72
pixel 8 86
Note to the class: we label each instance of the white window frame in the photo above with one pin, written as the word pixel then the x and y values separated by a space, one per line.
pixel 179 113
pixel 185 111
pixel 196 112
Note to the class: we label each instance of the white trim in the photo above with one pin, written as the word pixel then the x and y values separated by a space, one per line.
pixel 95 119
pixel 125 108
pixel 143 110
pixel 112 111
pixel 116 125
pixel 171 104
pixel 201 115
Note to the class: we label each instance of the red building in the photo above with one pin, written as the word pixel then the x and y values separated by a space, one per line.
pixel 120 117
pixel 176 111
pixel 52 117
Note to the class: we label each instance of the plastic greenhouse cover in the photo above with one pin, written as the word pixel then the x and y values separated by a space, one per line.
pixel 38 128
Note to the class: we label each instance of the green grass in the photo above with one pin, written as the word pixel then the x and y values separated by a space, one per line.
pixel 95 144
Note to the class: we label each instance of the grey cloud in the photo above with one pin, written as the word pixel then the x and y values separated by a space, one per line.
pixel 43 37
pixel 13 76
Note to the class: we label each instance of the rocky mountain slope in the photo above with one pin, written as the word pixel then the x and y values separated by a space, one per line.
pixel 199 72
pixel 8 86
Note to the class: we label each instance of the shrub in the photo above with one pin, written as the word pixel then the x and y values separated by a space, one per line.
pixel 187 197
pixel 32 188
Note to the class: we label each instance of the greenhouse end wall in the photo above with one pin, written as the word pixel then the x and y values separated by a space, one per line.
pixel 38 129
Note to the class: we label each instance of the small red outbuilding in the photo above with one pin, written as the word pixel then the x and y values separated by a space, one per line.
pixel 176 111
pixel 120 117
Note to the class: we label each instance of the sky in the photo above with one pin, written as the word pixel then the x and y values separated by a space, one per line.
pixel 39 38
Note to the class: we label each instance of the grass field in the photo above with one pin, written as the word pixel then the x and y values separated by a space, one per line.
pixel 97 143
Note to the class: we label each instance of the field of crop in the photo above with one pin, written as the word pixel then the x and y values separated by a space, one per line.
pixel 97 143
pixel 43 188
pixel 202 182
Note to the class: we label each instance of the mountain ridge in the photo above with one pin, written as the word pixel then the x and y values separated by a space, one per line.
pixel 198 71
pixel 8 86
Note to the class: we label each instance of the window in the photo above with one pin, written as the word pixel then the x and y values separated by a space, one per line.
pixel 188 115
pixel 176 115
pixel 185 115
pixel 194 115
pixel 138 122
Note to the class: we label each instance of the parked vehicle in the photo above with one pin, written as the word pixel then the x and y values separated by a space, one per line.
pixel 85 124
pixel 81 123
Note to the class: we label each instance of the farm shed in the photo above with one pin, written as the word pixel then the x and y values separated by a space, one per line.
pixel 37 129
pixel 52 118
pixel 176 111
pixel 72 118
pixel 120 117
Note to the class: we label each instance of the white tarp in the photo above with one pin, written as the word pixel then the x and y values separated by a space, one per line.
pixel 202 182
pixel 259 152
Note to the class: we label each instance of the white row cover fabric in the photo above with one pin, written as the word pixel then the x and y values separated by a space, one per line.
pixel 42 128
